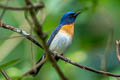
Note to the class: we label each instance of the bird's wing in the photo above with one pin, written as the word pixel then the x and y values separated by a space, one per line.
pixel 53 34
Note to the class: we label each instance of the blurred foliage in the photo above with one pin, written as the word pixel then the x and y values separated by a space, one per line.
pixel 9 63
pixel 98 20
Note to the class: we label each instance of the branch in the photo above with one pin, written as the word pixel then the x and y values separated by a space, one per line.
pixel 117 49
pixel 77 65
pixel 35 6
pixel 19 31
pixel 60 57
pixel 86 68
pixel 39 32
pixel 5 74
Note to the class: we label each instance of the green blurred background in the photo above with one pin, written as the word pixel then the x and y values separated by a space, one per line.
pixel 96 30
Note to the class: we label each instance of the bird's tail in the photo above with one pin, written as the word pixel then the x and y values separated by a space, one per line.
pixel 42 60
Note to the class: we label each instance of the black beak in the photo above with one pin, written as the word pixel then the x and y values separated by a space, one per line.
pixel 77 13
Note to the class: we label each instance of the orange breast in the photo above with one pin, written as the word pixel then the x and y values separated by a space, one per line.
pixel 68 29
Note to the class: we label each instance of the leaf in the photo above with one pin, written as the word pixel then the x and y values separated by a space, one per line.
pixel 9 63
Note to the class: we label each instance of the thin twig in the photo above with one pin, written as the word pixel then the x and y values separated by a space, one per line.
pixel 35 6
pixel 31 30
pixel 13 37
pixel 4 10
pixel 117 49
pixel 37 65
pixel 25 34
pixel 109 43
pixel 107 50
pixel 39 31
pixel 28 20
pixel 5 74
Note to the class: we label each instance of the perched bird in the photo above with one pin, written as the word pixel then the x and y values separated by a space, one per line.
pixel 62 36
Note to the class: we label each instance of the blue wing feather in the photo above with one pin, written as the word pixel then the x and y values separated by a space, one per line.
pixel 53 34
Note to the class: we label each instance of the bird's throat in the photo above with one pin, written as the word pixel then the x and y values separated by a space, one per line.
pixel 68 29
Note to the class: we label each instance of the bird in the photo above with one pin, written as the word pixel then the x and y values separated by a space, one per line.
pixel 61 37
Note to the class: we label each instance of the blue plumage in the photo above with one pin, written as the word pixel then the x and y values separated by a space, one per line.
pixel 68 18
pixel 53 34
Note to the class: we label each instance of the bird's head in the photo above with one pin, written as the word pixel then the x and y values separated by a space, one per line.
pixel 69 17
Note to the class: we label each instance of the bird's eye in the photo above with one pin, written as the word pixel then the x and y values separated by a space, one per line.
pixel 71 15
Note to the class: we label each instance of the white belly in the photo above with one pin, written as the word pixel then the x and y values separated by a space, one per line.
pixel 60 43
